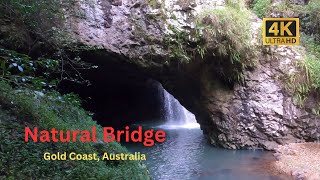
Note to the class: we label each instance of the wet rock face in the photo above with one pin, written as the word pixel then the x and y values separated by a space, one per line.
pixel 112 25
pixel 258 113
pixel 133 29
pixel 124 27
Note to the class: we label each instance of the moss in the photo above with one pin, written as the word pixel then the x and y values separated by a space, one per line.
pixel 154 4
pixel 20 160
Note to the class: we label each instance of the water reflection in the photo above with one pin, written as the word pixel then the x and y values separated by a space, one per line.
pixel 178 155
pixel 186 155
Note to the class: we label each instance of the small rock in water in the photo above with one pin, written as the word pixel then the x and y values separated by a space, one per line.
pixel 255 158
pixel 277 156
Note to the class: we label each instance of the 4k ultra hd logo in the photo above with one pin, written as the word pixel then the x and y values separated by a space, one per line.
pixel 280 31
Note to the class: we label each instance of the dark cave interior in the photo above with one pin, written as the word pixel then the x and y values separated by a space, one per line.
pixel 118 95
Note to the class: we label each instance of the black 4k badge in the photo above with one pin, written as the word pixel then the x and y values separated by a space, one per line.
pixel 280 31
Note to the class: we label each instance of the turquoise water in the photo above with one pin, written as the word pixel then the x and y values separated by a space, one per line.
pixel 186 155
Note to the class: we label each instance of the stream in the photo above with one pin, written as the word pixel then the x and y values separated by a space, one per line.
pixel 186 154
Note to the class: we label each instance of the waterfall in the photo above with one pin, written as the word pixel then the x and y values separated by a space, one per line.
pixel 168 103
pixel 174 114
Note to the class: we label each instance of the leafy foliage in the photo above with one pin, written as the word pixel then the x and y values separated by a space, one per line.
pixel 306 82
pixel 312 22
pixel 41 73
pixel 287 9
pixel 309 14
pixel 22 104
pixel 237 4
pixel 37 28
pixel 33 109
pixel 185 46
pixel 176 44
pixel 220 34
pixel 261 7
pixel 21 70
pixel 34 18
pixel 226 34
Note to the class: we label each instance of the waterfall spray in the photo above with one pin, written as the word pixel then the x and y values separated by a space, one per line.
pixel 174 114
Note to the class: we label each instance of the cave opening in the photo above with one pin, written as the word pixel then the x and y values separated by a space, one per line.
pixel 120 95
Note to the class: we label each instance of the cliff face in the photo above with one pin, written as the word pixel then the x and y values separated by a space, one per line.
pixel 133 29
pixel 260 113
pixel 256 113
